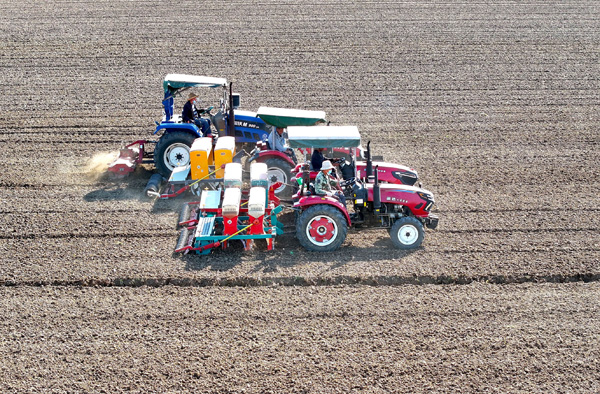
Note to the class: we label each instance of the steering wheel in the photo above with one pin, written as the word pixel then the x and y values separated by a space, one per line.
pixel 206 110
pixel 348 183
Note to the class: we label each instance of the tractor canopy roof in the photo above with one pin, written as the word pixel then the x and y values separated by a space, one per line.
pixel 285 117
pixel 174 82
pixel 323 137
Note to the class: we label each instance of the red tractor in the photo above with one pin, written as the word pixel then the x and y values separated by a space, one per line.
pixel 322 221
pixel 283 167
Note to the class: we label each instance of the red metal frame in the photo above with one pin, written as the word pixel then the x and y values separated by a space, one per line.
pixel 267 154
pixel 308 201
pixel 128 159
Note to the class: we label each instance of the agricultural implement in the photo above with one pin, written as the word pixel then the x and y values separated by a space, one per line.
pixel 232 213
pixel 206 168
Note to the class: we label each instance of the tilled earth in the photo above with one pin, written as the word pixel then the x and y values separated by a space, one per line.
pixel 495 104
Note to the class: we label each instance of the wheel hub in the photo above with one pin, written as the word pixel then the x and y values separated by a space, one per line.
pixel 322 230
pixel 408 234
pixel 277 175
pixel 177 155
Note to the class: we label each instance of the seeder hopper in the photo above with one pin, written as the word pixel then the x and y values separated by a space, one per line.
pixel 207 165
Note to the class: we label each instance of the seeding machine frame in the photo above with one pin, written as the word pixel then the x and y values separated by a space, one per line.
pixel 231 213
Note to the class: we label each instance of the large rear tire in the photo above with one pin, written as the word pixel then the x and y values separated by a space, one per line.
pixel 279 170
pixel 321 228
pixel 407 233
pixel 172 150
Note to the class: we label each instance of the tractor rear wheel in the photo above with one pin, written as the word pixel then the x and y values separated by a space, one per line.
pixel 407 233
pixel 172 150
pixel 279 170
pixel 321 228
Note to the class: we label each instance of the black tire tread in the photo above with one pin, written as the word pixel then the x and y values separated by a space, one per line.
pixel 165 141
pixel 321 209
pixel 399 223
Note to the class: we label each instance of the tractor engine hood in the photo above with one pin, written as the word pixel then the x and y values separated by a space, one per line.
pixel 418 200
pixel 391 173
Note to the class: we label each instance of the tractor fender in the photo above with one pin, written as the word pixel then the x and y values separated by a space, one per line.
pixel 265 155
pixel 308 201
pixel 172 127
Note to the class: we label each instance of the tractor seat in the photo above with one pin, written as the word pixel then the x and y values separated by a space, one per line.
pixel 174 119
pixel 311 189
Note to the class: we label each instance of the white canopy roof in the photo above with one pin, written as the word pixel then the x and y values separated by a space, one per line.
pixel 323 136
pixel 183 80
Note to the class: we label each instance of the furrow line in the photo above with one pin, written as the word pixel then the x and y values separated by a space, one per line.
pixel 88 235
pixel 501 251
pixel 87 212
pixel 477 210
pixel 518 230
pixel 341 280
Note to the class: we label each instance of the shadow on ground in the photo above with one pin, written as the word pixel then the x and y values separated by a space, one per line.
pixel 111 188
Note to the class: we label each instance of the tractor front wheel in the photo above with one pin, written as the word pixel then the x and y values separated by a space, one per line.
pixel 279 170
pixel 407 233
pixel 321 228
pixel 172 150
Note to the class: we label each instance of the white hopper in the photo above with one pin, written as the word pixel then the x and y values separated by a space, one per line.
pixel 231 202
pixel 259 175
pixel 233 175
pixel 256 202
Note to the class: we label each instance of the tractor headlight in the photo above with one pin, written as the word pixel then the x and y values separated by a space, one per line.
pixel 426 196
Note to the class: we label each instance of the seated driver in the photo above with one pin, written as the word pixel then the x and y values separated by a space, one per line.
pixel 276 141
pixel 317 159
pixel 326 185
pixel 190 115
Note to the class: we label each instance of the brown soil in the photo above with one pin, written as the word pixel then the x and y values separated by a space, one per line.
pixel 495 104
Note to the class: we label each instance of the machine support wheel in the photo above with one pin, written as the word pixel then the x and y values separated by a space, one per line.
pixel 407 233
pixel 172 150
pixel 321 228
pixel 280 171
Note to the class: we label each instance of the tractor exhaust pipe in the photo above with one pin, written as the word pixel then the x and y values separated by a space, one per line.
pixel 231 117
pixel 369 168
pixel 376 192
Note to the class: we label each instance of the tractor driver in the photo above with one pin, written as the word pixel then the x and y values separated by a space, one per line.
pixel 317 159
pixel 276 141
pixel 190 115
pixel 325 184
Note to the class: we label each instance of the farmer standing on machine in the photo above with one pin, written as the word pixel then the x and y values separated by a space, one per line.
pixel 325 184
pixel 276 141
pixel 190 115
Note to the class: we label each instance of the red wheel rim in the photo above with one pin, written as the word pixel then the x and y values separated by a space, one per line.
pixel 321 230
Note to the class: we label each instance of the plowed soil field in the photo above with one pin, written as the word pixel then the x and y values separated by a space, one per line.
pixel 496 104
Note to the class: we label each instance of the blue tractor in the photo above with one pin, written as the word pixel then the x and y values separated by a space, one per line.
pixel 173 147
pixel 176 137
